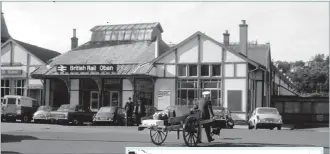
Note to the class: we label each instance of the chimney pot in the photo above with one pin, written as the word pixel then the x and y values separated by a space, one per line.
pixel 74 32
pixel 243 21
pixel 226 38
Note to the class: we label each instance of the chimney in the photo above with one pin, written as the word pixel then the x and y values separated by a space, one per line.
pixel 226 38
pixel 243 38
pixel 74 40
pixel 157 47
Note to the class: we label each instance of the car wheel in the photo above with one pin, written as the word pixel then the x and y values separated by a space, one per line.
pixel 25 119
pixel 36 121
pixel 76 122
pixel 279 128
pixel 272 128
pixel 250 126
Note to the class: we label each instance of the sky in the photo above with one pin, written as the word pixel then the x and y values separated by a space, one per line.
pixel 231 151
pixel 295 30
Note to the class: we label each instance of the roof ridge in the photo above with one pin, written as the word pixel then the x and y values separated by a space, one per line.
pixel 35 46
pixel 128 24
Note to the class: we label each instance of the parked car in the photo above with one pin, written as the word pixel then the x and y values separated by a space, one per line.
pixel 110 115
pixel 222 113
pixel 265 118
pixel 18 107
pixel 43 114
pixel 74 114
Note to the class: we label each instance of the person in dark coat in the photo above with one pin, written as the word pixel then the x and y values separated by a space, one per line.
pixel 129 107
pixel 140 111
pixel 205 106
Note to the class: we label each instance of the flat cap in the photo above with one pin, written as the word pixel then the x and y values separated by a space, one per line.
pixel 206 93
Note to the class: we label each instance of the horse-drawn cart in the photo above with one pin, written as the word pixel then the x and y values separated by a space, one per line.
pixel 185 121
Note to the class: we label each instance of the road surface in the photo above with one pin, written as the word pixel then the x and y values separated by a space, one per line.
pixel 32 138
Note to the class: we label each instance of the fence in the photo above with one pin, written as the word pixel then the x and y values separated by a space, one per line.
pixel 302 109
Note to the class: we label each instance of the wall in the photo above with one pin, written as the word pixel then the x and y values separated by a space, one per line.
pixel 210 52
pixel 170 58
pixel 235 84
pixel 170 70
pixel 165 84
pixel 188 53
pixel 74 92
pixel 230 57
pixel 20 55
pixel 5 54
pixel 127 91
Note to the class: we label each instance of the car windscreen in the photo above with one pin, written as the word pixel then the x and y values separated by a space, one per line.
pixel 44 108
pixel 267 111
pixel 11 100
pixel 107 110
pixel 66 108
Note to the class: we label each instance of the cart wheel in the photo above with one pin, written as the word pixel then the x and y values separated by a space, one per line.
pixel 158 137
pixel 190 132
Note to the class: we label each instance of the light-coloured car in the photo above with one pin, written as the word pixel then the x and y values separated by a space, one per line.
pixel 265 118
pixel 42 115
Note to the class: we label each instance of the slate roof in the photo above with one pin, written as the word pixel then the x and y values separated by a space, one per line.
pixel 4 30
pixel 256 52
pixel 41 53
pixel 130 57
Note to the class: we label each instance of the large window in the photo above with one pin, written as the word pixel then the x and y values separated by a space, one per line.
pixel 205 70
pixel 214 86
pixel 187 92
pixel 182 70
pixel 216 70
pixel 19 87
pixel 192 70
pixel 5 88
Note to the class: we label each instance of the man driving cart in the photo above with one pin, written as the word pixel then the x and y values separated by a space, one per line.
pixel 205 106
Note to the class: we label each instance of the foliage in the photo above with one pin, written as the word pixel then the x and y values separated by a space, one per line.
pixel 311 76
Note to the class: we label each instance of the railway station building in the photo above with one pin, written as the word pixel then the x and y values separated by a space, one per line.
pixel 132 60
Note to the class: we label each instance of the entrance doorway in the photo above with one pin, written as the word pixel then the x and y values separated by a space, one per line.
pixel 94 101
pixel 114 98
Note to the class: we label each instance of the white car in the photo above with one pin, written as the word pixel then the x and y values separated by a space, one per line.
pixel 266 118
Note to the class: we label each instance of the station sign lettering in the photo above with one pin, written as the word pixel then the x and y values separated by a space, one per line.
pixel 11 72
pixel 86 68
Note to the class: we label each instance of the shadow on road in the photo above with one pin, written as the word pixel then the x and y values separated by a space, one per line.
pixel 15 138
pixel 9 152
pixel 68 140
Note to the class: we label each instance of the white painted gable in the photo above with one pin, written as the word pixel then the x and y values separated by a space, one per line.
pixel 210 52
pixel 230 57
pixel 188 52
pixel 35 61
pixel 19 54
pixel 5 54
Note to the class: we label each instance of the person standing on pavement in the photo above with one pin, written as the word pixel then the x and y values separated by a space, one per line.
pixel 140 111
pixel 129 107
pixel 205 106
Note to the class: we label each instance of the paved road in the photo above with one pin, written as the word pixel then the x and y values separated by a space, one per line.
pixel 43 138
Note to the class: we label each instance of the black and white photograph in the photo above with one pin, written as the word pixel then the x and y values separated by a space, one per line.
pixel 98 77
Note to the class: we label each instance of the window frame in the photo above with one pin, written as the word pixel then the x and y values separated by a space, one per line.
pixel 186 70
pixel 188 74
pixel 211 72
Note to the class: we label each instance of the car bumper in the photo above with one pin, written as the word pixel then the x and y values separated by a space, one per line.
pixel 268 125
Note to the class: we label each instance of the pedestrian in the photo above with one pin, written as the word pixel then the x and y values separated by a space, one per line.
pixel 205 106
pixel 140 111
pixel 129 107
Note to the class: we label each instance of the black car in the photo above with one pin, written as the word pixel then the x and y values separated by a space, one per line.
pixel 74 114
pixel 224 113
pixel 109 115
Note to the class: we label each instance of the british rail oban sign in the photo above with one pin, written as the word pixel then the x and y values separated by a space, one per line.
pixel 86 68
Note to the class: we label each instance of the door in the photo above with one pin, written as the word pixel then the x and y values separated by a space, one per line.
pixel 114 98
pixel 94 101
pixel 11 105
pixel 234 100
